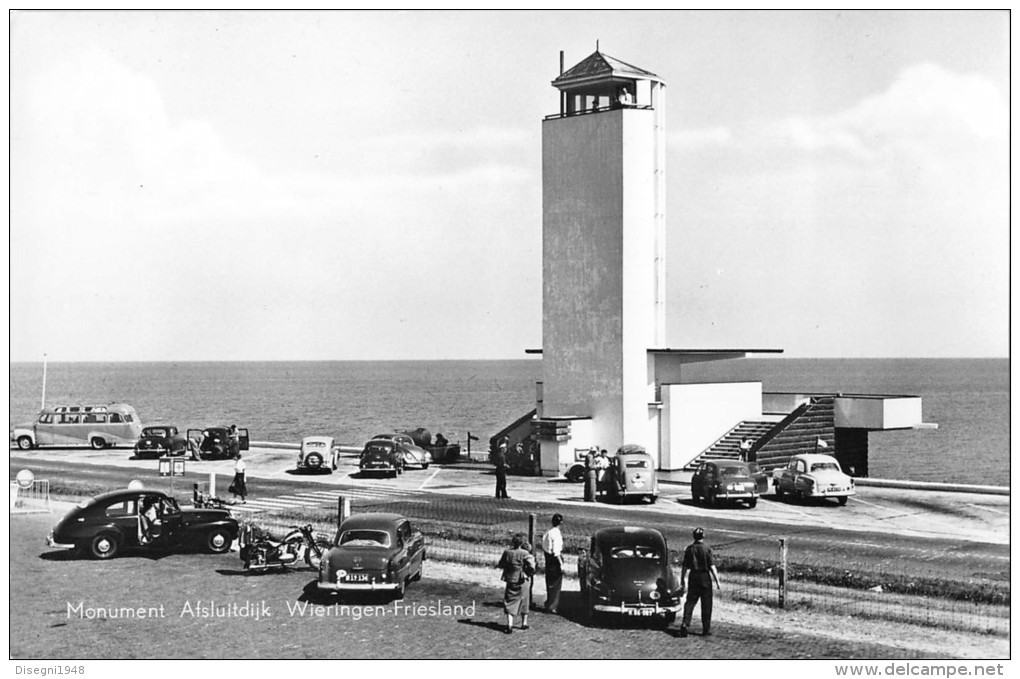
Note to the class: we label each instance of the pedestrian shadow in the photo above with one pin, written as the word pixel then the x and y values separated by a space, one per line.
pixel 487 624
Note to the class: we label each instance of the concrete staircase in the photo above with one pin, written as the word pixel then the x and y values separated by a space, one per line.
pixel 728 447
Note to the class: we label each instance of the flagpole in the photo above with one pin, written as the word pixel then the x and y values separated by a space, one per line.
pixel 43 405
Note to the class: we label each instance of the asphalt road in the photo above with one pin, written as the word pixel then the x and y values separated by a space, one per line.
pixel 913 532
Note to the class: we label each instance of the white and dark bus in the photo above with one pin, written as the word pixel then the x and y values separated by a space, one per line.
pixel 99 426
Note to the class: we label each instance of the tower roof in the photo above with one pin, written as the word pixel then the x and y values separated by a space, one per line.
pixel 599 67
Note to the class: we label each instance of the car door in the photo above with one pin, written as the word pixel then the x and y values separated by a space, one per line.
pixel 122 514
pixel 416 547
pixel 401 558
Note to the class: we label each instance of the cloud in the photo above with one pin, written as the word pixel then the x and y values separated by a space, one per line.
pixel 927 111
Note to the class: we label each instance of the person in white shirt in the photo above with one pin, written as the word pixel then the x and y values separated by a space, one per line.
pixel 552 546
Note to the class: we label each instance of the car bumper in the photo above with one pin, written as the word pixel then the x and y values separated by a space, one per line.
pixel 737 495
pixel 831 493
pixel 378 469
pixel 50 542
pixel 358 586
pixel 637 610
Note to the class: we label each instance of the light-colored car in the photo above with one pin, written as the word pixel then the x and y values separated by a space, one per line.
pixel 317 455
pixel 413 454
pixel 813 476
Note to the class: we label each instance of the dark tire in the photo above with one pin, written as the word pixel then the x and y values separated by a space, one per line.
pixel 425 466
pixel 751 504
pixel 312 558
pixel 575 474
pixel 25 442
pixel 218 541
pixel 843 500
pixel 98 443
pixel 104 546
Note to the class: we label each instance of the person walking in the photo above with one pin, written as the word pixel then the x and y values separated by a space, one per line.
pixel 499 459
pixel 238 487
pixel 518 566
pixel 699 563
pixel 590 476
pixel 552 547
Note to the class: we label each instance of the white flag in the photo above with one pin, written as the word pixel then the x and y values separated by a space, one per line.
pixel 822 443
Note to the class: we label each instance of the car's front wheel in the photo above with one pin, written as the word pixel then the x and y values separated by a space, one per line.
pixel 104 546
pixel 98 443
pixel 218 541
pixel 25 442
pixel 751 504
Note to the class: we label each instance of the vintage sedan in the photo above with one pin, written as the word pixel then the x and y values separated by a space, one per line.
pixel 214 443
pixel 724 481
pixel 632 475
pixel 108 524
pixel 413 454
pixel 813 475
pixel 373 553
pixel 381 456
pixel 158 440
pixel 318 454
pixel 626 572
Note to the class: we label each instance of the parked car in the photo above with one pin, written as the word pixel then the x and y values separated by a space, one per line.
pixel 381 456
pixel 813 475
pixel 214 443
pixel 108 524
pixel 318 454
pixel 634 476
pixel 724 481
pixel 373 552
pixel 413 454
pixel 626 572
pixel 158 440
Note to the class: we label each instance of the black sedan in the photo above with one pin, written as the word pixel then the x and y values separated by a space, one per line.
pixel 719 481
pixel 108 524
pixel 381 456
pixel 216 443
pixel 158 440
pixel 373 553
pixel 626 572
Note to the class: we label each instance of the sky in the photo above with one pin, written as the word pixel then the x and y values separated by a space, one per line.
pixel 367 185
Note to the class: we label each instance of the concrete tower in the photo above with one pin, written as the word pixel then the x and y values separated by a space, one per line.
pixel 603 207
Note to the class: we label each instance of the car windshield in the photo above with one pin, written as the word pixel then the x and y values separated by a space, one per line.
pixel 733 471
pixel 154 431
pixel 634 552
pixel 823 466
pixel 368 538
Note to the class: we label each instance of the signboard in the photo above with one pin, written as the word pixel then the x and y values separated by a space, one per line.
pixel 171 467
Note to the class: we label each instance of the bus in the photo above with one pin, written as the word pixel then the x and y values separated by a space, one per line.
pixel 99 426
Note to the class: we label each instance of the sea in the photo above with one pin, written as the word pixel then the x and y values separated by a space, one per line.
pixel 354 400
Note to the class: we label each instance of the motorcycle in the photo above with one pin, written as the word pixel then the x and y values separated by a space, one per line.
pixel 261 553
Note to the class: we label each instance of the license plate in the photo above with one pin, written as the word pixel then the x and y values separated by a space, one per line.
pixel 640 611
pixel 357 577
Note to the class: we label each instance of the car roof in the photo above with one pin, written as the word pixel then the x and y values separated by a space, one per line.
pixel 815 457
pixel 159 426
pixel 381 442
pixel 328 439
pixel 126 493
pixel 376 520
pixel 628 535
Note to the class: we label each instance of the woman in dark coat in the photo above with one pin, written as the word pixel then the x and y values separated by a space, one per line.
pixel 518 566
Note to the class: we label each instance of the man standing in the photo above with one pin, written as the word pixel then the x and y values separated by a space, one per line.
pixel 590 476
pixel 499 459
pixel 552 546
pixel 699 563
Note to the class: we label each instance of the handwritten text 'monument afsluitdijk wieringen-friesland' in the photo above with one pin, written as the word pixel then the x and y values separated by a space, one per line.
pixel 260 610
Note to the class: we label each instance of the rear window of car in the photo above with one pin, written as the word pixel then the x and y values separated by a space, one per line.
pixel 314 444
pixel 155 431
pixel 634 552
pixel 365 537
pixel 733 471
pixel 125 508
pixel 637 464
pixel 820 466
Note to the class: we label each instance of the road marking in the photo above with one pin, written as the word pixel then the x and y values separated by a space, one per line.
pixel 987 509
pixel 426 481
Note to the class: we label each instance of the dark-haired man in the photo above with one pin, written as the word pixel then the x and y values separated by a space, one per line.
pixel 699 563
pixel 552 546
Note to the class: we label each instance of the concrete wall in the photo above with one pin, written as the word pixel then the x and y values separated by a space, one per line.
pixel 598 233
pixel 878 412
pixel 696 415
pixel 557 456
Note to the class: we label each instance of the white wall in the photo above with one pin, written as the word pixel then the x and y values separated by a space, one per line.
pixel 696 415
pixel 874 412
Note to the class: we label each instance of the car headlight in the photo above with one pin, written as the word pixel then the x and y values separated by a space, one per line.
pixel 655 596
pixel 340 573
